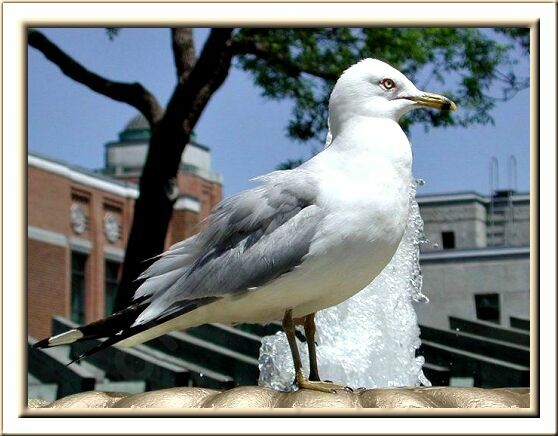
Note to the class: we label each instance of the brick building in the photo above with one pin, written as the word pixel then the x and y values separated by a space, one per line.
pixel 79 220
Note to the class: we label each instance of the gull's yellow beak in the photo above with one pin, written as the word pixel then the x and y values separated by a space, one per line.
pixel 435 101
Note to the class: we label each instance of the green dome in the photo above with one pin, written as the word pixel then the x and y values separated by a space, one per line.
pixel 136 129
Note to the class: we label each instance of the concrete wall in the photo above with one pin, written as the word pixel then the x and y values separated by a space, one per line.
pixel 134 155
pixel 467 220
pixel 520 233
pixel 127 156
pixel 451 287
pixel 197 156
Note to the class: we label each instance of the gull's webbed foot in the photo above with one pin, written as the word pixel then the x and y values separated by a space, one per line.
pixel 320 386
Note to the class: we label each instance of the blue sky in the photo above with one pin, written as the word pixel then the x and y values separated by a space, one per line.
pixel 247 133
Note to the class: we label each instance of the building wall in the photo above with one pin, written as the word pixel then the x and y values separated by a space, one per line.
pixel 127 158
pixel 48 200
pixel 53 190
pixel 452 285
pixel 207 192
pixel 199 157
pixel 133 155
pixel 130 155
pixel 47 255
pixel 520 234
pixel 183 224
pixel 48 284
pixel 467 220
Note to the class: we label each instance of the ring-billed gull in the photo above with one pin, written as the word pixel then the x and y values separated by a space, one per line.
pixel 303 240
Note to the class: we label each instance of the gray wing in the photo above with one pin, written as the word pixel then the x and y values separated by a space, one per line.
pixel 250 239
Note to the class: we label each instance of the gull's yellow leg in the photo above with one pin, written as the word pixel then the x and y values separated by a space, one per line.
pixel 301 380
pixel 310 333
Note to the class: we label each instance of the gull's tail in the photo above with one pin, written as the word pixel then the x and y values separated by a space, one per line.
pixel 120 327
pixel 115 328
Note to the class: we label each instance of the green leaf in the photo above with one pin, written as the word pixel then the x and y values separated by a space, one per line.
pixel 475 67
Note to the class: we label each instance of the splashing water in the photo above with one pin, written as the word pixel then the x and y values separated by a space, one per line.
pixel 369 340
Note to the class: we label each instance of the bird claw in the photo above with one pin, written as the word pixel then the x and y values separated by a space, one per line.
pixel 344 389
pixel 325 386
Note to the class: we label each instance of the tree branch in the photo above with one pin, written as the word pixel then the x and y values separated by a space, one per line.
pixel 133 94
pixel 185 106
pixel 209 72
pixel 290 67
pixel 184 51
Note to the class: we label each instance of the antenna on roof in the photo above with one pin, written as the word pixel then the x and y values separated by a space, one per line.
pixel 501 217
pixel 512 172
pixel 512 183
pixel 494 175
pixel 494 182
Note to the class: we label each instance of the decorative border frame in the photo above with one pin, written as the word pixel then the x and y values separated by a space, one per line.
pixel 540 17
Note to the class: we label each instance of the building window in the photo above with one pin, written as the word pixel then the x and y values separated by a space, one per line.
pixel 448 240
pixel 79 262
pixel 111 285
pixel 488 307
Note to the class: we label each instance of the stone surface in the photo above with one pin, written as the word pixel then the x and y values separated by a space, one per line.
pixel 260 397
pixel 87 400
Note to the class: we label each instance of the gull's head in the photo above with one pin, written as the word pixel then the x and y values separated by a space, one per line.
pixel 372 88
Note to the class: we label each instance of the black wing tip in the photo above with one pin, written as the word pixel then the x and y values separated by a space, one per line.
pixel 76 359
pixel 43 343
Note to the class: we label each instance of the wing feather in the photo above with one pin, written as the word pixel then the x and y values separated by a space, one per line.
pixel 250 239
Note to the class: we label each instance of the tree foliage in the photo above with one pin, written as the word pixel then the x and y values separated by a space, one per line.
pixel 465 64
pixel 297 64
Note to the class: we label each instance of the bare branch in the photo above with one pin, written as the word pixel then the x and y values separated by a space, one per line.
pixel 287 65
pixel 184 51
pixel 133 94
pixel 210 70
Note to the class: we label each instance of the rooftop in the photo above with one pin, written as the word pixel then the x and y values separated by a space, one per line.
pixel 99 181
pixel 82 175
pixel 468 196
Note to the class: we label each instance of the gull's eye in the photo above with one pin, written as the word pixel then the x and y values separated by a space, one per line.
pixel 387 84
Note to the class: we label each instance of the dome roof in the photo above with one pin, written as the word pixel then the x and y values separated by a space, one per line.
pixel 139 122
pixel 137 129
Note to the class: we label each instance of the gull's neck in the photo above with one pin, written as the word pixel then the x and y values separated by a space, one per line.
pixel 373 136
pixel 369 160
pixel 366 146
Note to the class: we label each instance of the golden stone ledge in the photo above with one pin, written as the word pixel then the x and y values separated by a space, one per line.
pixel 264 398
